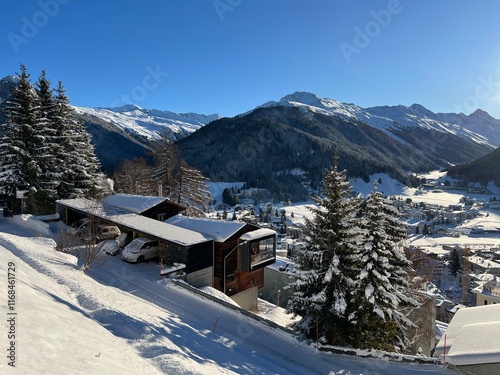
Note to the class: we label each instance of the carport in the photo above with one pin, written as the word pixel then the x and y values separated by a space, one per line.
pixel 194 249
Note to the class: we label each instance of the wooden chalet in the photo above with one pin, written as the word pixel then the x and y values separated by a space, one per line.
pixel 241 251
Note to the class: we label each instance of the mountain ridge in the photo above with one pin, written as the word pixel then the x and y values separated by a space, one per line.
pixel 317 127
pixel 385 117
pixel 150 124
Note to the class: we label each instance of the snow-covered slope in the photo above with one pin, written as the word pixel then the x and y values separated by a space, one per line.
pixel 478 127
pixel 150 123
pixel 119 319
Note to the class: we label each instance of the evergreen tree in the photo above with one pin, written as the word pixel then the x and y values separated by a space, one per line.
pixel 43 199
pixel 381 289
pixel 327 266
pixel 79 172
pixel 454 262
pixel 21 139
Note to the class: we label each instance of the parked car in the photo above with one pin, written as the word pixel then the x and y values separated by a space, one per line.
pixel 124 239
pixel 77 227
pixel 110 247
pixel 140 249
pixel 101 233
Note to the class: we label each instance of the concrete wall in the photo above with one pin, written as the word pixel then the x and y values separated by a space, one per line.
pixel 201 278
pixel 274 281
pixel 247 299
pixel 424 335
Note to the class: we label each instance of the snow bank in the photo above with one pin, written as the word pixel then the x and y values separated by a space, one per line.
pixel 218 294
pixel 29 222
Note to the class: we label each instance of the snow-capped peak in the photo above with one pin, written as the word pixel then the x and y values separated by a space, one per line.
pixel 478 127
pixel 150 123
pixel 312 102
pixel 303 97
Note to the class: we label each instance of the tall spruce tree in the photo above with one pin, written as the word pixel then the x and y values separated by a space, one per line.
pixel 381 288
pixel 79 165
pixel 42 200
pixel 326 268
pixel 22 140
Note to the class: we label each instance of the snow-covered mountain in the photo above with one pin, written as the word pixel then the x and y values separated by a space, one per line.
pixel 6 85
pixel 478 127
pixel 149 124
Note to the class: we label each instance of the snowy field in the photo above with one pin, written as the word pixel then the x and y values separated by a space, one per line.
pixel 119 319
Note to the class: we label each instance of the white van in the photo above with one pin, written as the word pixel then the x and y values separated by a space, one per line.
pixel 140 249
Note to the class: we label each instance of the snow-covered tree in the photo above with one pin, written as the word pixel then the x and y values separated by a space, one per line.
pixel 20 139
pixel 79 172
pixel 42 200
pixel 380 289
pixel 327 266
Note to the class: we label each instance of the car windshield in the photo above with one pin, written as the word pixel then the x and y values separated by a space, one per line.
pixel 135 246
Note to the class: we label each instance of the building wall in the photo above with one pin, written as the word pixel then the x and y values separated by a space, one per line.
pixel 275 281
pixel 167 208
pixel 425 319
pixel 201 278
pixel 247 299
pixel 245 280
pixel 481 298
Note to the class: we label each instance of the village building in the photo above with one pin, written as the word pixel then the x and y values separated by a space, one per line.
pixel 241 251
pixel 227 255
pixel 488 293
pixel 470 343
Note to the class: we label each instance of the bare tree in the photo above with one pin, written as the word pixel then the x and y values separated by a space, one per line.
pixel 180 182
pixel 166 158
pixel 191 190
pixel 135 177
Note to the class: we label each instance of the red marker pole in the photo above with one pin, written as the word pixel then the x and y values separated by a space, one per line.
pixel 216 321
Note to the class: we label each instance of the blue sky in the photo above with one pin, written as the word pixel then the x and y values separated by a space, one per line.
pixel 228 56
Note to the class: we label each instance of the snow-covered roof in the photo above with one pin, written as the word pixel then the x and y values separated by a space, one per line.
pixel 472 336
pixel 484 263
pixel 480 346
pixel 257 234
pixel 220 230
pixel 137 222
pixel 133 203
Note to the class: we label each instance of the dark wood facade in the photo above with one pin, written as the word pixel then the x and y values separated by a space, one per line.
pixel 164 210
pixel 226 256
pixel 196 257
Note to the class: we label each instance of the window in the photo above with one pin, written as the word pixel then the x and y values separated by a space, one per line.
pixel 262 251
